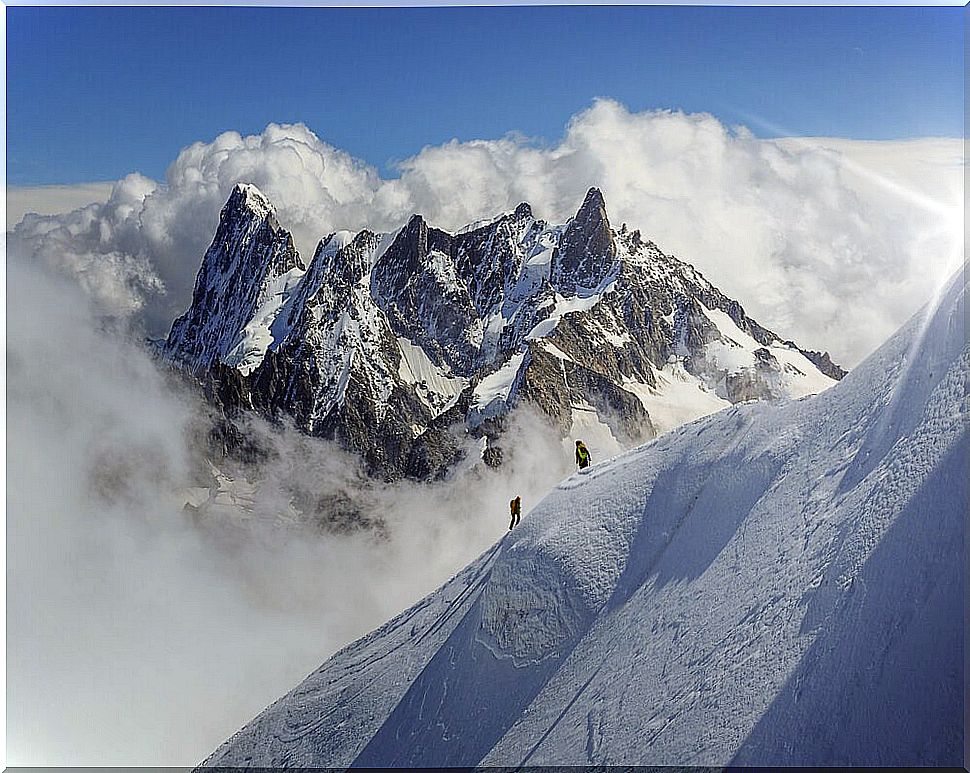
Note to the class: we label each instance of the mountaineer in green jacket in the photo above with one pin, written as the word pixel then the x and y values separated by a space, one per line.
pixel 582 455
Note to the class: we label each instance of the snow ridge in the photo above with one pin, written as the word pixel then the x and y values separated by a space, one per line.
pixel 778 584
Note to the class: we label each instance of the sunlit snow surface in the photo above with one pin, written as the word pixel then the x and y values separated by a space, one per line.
pixel 437 390
pixel 678 397
pixel 770 585
pixel 261 332
pixel 736 351
pixel 494 390
pixel 343 334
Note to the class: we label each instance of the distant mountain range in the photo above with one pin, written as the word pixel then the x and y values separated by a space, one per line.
pixel 412 347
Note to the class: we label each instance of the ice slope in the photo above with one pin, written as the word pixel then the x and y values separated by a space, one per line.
pixel 769 585
pixel 257 336
pixel 434 387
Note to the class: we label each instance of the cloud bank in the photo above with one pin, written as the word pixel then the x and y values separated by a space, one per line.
pixel 141 634
pixel 53 199
pixel 834 243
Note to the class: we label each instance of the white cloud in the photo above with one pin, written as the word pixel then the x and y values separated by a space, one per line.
pixel 52 199
pixel 141 635
pixel 833 243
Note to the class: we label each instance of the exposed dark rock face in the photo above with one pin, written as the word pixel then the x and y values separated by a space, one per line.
pixel 586 252
pixel 248 253
pixel 823 362
pixel 417 267
pixel 411 348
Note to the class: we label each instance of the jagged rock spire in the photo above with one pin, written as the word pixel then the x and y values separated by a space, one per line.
pixel 249 251
pixel 523 211
pixel 586 252
pixel 415 284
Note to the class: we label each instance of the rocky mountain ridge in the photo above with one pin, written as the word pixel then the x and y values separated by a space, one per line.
pixel 412 347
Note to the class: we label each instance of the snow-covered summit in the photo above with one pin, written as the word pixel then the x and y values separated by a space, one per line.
pixel 394 343
pixel 248 196
pixel 245 275
pixel 777 584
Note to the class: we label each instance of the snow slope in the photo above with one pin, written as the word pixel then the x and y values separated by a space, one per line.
pixel 735 351
pixel 769 585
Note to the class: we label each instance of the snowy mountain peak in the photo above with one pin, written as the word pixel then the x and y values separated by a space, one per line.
pixel 250 262
pixel 335 242
pixel 402 344
pixel 247 198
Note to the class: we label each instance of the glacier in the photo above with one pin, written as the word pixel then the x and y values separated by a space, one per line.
pixel 773 584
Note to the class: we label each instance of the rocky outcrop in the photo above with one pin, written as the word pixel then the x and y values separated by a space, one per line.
pixel 823 362
pixel 419 266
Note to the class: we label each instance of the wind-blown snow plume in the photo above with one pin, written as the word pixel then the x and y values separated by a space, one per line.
pixel 821 236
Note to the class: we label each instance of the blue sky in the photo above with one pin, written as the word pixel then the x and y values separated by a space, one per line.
pixel 95 93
